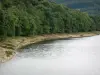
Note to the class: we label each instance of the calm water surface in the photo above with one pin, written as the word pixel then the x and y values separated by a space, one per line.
pixel 79 56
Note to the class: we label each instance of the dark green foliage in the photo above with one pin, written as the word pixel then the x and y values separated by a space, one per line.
pixel 33 17
pixel 92 7
pixel 97 22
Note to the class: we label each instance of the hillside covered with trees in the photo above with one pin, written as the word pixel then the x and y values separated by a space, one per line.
pixel 90 6
pixel 35 17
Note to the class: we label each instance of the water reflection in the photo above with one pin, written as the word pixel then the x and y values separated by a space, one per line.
pixel 80 56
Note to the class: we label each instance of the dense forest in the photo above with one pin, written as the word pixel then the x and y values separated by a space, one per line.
pixel 92 7
pixel 96 20
pixel 35 17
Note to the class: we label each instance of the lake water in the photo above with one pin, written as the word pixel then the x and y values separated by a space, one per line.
pixel 77 56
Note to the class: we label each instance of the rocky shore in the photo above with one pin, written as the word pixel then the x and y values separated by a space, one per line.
pixel 9 46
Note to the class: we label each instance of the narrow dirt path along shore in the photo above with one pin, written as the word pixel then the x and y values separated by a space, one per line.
pixel 9 46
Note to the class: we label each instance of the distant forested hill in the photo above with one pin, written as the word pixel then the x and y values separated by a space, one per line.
pixel 90 6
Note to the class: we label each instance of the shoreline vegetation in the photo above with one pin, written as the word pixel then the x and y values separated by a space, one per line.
pixel 9 46
pixel 40 20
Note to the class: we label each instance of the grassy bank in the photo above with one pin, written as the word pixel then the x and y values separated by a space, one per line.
pixel 9 46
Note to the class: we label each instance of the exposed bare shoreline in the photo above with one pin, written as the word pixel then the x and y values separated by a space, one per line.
pixel 9 46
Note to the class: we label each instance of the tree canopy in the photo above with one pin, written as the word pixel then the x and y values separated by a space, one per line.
pixel 34 17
